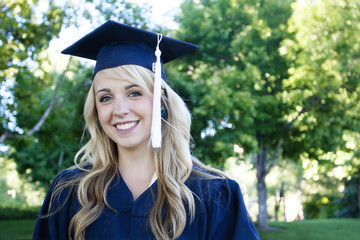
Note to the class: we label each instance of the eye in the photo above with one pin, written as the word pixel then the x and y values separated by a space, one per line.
pixel 105 98
pixel 135 94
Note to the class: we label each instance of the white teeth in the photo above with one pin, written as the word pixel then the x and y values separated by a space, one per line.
pixel 125 126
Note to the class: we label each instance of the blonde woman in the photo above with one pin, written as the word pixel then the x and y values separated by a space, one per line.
pixel 136 178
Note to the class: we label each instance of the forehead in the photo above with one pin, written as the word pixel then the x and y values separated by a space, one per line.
pixel 121 76
pixel 111 83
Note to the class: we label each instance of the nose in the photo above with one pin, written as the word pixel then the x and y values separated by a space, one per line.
pixel 121 108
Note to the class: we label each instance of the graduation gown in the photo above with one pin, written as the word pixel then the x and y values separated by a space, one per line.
pixel 220 212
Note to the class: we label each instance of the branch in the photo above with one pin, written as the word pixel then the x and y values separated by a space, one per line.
pixel 276 155
pixel 315 101
pixel 51 104
pixel 65 101
pixel 46 113
pixel 6 135
pixel 289 125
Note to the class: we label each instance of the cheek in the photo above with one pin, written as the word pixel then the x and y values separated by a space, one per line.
pixel 147 108
pixel 102 112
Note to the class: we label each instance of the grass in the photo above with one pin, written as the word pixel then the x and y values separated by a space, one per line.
pixel 17 229
pixel 329 229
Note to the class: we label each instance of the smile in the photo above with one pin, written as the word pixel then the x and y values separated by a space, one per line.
pixel 125 126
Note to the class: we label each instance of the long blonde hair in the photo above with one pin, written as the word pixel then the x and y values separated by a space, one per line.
pixel 173 163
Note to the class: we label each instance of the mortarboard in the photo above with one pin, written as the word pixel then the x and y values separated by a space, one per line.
pixel 114 44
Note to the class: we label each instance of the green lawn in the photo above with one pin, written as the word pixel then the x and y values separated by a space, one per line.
pixel 329 229
pixel 17 229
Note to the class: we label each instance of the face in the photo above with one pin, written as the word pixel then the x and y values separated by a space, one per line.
pixel 124 111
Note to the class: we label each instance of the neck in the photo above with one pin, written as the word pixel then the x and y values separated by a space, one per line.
pixel 137 161
pixel 137 168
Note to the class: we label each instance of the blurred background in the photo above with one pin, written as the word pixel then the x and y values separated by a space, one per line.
pixel 273 89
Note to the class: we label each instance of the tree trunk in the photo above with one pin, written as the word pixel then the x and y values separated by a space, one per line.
pixel 262 170
pixel 263 215
pixel 261 187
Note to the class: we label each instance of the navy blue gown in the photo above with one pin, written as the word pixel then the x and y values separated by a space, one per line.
pixel 220 212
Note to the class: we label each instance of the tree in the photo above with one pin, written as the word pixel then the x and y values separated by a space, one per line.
pixel 266 85
pixel 24 57
pixel 325 57
pixel 52 148
pixel 24 36
pixel 237 80
pixel 42 104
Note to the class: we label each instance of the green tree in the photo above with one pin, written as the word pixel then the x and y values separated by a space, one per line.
pixel 52 148
pixel 25 33
pixel 268 85
pixel 236 81
pixel 325 70
pixel 42 104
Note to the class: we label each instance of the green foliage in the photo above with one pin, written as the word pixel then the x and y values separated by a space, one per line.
pixel 16 212
pixel 348 202
pixel 15 191
pixel 5 196
pixel 320 206
pixel 233 79
pixel 25 34
pixel 39 157
pixel 262 78
pixel 325 71
pixel 30 81
pixel 273 77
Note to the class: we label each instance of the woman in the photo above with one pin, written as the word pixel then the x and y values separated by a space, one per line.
pixel 136 178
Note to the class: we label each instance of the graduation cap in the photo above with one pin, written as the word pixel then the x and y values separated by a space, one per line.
pixel 114 44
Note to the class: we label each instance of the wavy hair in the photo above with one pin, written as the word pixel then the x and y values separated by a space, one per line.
pixel 173 163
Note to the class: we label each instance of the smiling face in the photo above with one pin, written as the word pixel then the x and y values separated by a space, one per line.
pixel 124 110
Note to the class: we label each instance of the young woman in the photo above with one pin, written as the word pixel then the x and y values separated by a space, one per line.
pixel 128 182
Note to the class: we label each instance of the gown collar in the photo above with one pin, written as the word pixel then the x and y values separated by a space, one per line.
pixel 119 197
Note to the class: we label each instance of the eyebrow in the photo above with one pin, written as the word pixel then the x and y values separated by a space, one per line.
pixel 108 90
pixel 103 90
pixel 130 86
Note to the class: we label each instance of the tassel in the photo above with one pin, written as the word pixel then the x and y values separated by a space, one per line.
pixel 156 114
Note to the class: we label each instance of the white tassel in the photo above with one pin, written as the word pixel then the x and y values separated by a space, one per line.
pixel 156 114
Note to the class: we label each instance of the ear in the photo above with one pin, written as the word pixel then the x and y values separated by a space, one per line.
pixel 164 112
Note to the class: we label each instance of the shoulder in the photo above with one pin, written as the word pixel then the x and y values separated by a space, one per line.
pixel 209 186
pixel 65 182
pixel 70 174
pixel 220 205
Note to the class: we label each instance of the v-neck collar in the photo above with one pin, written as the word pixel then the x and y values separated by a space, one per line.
pixel 120 197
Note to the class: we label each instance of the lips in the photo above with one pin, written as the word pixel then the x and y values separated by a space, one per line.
pixel 125 126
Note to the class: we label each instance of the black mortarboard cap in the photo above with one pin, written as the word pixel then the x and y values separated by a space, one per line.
pixel 114 44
